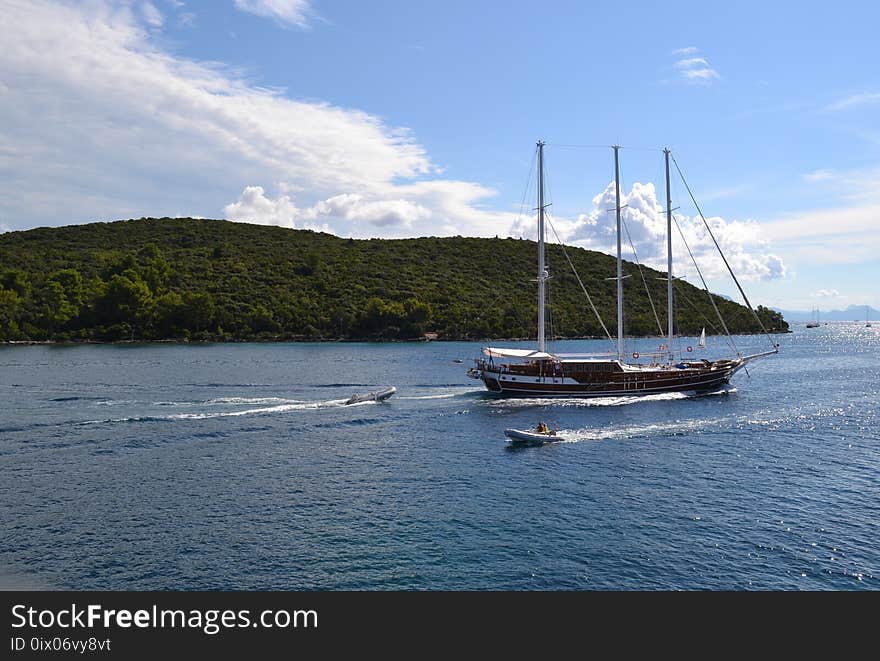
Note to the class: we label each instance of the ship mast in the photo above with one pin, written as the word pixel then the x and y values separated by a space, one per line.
pixel 669 257
pixel 619 260
pixel 542 274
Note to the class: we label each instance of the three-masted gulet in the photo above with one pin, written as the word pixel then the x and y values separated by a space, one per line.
pixel 539 373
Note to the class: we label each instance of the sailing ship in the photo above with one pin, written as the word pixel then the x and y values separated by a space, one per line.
pixel 541 373
pixel 814 321
pixel 867 323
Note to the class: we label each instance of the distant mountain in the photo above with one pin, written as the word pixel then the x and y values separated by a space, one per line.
pixel 852 313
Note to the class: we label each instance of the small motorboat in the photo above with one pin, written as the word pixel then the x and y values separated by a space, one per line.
pixel 532 436
pixel 375 396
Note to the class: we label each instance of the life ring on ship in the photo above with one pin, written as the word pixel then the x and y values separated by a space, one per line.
pixel 635 354
pixel 690 349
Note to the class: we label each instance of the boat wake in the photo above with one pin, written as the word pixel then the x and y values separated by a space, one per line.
pixel 450 394
pixel 288 406
pixel 677 428
pixel 222 401
pixel 577 402
pixel 251 400
pixel 263 410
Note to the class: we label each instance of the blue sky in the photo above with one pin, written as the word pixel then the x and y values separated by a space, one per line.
pixel 409 119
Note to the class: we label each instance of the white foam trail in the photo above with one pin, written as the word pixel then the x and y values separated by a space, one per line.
pixel 448 395
pixel 610 433
pixel 229 401
pixel 253 400
pixel 281 408
pixel 599 401
pixel 342 402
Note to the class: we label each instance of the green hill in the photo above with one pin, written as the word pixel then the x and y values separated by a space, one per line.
pixel 212 279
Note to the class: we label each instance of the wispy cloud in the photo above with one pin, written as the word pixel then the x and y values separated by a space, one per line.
pixel 186 19
pixel 290 13
pixel 854 101
pixel 152 15
pixel 826 293
pixel 692 63
pixel 118 127
pixel 845 232
pixel 820 175
pixel 695 69
pixel 854 186
pixel 724 193
pixel 841 235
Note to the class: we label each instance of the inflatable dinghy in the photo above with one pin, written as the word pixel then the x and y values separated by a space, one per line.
pixel 374 396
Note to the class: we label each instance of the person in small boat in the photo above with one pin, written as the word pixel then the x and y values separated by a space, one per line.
pixel 542 428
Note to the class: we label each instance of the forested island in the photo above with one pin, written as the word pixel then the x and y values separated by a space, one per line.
pixel 214 280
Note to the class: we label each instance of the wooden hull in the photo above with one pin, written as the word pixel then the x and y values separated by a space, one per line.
pixel 621 383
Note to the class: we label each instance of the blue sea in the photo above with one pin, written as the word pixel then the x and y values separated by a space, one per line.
pixel 237 466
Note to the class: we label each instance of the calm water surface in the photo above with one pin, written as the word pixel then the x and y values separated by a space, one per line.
pixel 236 466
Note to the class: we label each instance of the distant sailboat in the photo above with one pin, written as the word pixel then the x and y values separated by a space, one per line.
pixel 814 322
pixel 702 343
pixel 867 323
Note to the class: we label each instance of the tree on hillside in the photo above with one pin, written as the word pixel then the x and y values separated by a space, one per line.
pixel 151 278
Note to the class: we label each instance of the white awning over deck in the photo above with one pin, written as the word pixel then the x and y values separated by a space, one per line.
pixel 525 354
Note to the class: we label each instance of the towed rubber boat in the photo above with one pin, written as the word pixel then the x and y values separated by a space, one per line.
pixel 532 437
pixel 375 396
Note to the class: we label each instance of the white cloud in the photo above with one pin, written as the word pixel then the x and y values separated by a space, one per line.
pixel 702 75
pixel 186 19
pixel 152 16
pixel 254 206
pixel 114 126
pixel 742 241
pixel 294 13
pixel 826 293
pixel 692 63
pixel 841 235
pixel 95 111
pixel 694 69
pixel 855 100
pixel 857 186
pixel 383 213
pixel 723 192
pixel 819 175
pixel 436 208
